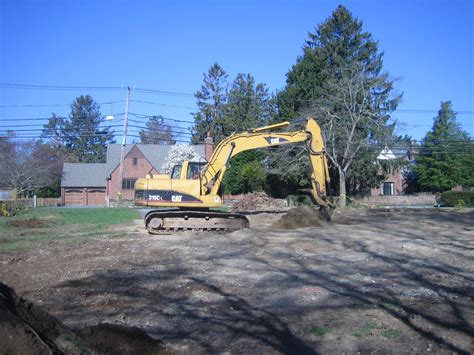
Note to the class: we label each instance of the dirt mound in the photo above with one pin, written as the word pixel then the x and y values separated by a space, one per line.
pixel 258 201
pixel 27 329
pixel 117 339
pixel 300 217
pixel 30 223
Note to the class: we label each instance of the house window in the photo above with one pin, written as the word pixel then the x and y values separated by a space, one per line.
pixel 128 184
pixel 135 161
pixel 387 189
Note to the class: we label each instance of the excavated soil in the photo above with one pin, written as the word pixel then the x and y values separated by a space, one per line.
pixel 28 329
pixel 30 223
pixel 372 281
pixel 301 217
pixel 258 201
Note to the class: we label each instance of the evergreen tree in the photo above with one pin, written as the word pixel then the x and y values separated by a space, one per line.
pixel 249 105
pixel 211 101
pixel 223 111
pixel 53 131
pixel 446 154
pixel 156 132
pixel 339 81
pixel 80 137
pixel 246 173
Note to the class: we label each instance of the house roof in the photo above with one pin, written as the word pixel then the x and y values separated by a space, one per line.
pixel 95 174
pixel 84 174
pixel 401 150
pixel 386 154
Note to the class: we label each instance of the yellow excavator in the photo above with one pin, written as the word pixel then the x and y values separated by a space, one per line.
pixel 194 188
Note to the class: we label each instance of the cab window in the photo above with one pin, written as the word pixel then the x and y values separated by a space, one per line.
pixel 175 174
pixel 194 170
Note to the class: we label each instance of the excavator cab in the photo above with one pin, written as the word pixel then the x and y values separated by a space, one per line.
pixel 186 178
pixel 187 171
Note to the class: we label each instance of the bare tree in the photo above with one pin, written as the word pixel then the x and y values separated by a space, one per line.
pixel 27 165
pixel 353 113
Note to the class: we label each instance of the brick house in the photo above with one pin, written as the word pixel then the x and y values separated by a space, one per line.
pixel 394 183
pixel 96 184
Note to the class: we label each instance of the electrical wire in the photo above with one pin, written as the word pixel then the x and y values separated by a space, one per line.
pixel 57 87
pixel 161 104
pixel 58 105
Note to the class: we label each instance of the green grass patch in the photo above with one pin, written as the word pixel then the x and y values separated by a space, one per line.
pixel 372 329
pixel 390 333
pixel 366 330
pixel 13 246
pixel 320 331
pixel 62 216
pixel 393 307
pixel 97 216
pixel 72 224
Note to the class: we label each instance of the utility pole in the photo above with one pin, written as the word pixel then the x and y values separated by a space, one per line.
pixel 122 152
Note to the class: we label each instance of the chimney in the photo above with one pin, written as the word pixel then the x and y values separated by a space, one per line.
pixel 208 146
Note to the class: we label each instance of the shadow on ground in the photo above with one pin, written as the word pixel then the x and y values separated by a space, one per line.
pixel 394 282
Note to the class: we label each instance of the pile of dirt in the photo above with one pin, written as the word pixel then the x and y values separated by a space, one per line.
pixel 258 201
pixel 30 223
pixel 27 329
pixel 300 217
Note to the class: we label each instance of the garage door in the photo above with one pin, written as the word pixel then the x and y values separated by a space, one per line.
pixel 96 197
pixel 91 197
pixel 74 197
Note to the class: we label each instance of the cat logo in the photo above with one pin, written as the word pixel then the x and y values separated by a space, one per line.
pixel 176 198
pixel 274 140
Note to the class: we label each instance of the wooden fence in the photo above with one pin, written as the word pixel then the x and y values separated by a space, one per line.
pixel 30 202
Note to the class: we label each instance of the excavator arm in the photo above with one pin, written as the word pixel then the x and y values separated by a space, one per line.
pixel 263 137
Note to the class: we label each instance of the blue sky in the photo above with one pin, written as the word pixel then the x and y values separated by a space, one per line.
pixel 168 45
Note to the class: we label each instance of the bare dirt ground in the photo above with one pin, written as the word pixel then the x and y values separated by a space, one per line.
pixel 371 281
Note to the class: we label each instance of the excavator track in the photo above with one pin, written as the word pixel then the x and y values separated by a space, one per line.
pixel 167 221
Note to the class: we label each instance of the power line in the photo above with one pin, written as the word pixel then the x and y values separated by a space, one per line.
pixel 166 93
pixel 45 118
pixel 57 87
pixel 57 105
pixel 137 115
pixel 161 104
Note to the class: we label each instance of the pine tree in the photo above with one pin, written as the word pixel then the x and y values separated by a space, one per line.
pixel 211 101
pixel 84 140
pixel 446 154
pixel 248 105
pixel 156 132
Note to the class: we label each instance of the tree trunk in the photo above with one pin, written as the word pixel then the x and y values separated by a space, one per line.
pixel 342 189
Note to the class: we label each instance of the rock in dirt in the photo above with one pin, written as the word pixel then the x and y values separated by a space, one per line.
pixel 258 201
pixel 300 217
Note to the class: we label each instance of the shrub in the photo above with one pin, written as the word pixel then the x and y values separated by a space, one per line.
pixel 8 208
pixel 457 198
pixel 246 173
